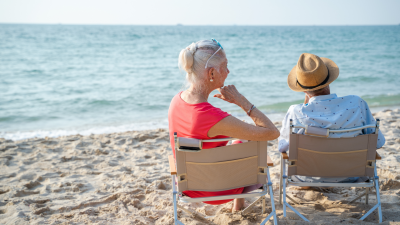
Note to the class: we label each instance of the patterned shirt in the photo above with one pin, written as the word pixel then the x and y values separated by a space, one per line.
pixel 330 111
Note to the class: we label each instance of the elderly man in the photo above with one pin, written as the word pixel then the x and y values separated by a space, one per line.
pixel 312 75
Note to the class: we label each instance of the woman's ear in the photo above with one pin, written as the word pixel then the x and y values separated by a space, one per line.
pixel 211 73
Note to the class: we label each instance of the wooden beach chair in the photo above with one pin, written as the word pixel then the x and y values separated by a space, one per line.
pixel 219 169
pixel 314 154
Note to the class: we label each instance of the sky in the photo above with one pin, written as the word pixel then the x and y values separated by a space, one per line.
pixel 204 12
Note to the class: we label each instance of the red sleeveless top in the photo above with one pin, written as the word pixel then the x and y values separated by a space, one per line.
pixel 194 121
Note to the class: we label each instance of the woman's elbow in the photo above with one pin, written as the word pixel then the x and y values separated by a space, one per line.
pixel 270 134
pixel 275 134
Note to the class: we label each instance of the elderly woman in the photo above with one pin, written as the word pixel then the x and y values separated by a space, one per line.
pixel 190 114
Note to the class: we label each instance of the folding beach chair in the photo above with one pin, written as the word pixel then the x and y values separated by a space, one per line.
pixel 219 169
pixel 314 154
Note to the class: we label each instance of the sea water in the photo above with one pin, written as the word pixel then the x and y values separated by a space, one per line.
pixel 68 79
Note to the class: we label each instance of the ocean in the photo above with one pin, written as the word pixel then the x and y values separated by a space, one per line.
pixel 66 79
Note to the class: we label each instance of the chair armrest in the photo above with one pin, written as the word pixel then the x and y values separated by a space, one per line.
pixel 172 167
pixel 284 155
pixel 378 157
pixel 269 161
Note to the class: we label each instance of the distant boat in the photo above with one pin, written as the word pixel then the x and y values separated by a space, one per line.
pixel 179 24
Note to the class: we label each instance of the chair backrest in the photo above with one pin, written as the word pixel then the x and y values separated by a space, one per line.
pixel 317 156
pixel 221 168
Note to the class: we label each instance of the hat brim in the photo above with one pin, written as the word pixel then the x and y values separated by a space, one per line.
pixel 333 75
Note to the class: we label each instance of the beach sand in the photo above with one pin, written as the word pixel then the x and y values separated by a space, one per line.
pixel 123 178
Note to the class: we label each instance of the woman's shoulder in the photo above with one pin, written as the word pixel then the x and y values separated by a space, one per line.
pixel 176 98
pixel 209 109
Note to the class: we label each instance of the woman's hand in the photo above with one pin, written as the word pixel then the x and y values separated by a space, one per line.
pixel 231 94
pixel 230 126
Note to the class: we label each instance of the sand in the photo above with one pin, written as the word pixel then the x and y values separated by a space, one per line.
pixel 123 178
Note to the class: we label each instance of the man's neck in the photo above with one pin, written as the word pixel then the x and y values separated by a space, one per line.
pixel 320 95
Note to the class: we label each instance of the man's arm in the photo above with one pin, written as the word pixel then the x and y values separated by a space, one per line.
pixel 283 140
pixel 369 119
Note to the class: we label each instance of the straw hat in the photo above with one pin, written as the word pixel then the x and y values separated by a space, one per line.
pixel 312 73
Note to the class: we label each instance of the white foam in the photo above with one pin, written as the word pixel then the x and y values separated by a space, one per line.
pixel 149 125
pixel 82 131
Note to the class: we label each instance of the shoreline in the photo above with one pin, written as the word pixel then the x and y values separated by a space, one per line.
pixel 141 126
pixel 123 178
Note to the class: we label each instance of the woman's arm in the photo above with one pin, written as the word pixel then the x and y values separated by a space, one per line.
pixel 230 126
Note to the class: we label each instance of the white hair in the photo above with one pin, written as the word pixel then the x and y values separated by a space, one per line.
pixel 193 59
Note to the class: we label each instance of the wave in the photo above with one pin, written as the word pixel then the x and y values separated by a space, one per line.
pixel 382 100
pixel 149 125
pixel 275 112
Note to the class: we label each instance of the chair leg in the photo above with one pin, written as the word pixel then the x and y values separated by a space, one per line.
pixel 280 181
pixel 271 194
pixel 185 210
pixel 360 196
pixel 266 219
pixel 284 177
pixel 273 206
pixel 291 199
pixel 379 202
pixel 284 198
pixel 366 195
pixel 244 211
pixel 263 205
pixel 284 189
pixel 174 193
pixel 378 198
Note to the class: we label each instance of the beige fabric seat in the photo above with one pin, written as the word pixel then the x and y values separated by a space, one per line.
pixel 219 169
pixel 315 155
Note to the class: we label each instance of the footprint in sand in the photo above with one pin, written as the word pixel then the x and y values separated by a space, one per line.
pixel 40 209
pixel 27 176
pixel 7 147
pixel 146 164
pixel 32 184
pixel 28 161
pixel 120 142
pixel 24 193
pixel 3 211
pixel 46 142
pixel 5 160
pixel 3 191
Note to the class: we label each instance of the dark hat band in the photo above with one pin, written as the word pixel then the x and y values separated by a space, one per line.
pixel 311 87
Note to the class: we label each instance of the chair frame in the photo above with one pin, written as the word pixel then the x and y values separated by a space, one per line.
pixel 267 189
pixel 373 181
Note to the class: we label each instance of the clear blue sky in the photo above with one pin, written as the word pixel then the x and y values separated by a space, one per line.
pixel 202 12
